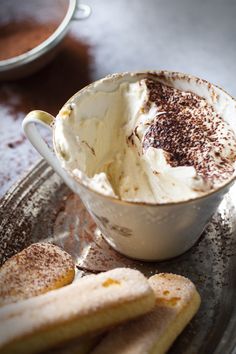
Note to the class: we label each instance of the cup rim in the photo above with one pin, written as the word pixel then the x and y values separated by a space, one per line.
pixel 161 73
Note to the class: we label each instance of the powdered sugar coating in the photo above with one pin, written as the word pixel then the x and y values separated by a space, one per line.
pixel 174 290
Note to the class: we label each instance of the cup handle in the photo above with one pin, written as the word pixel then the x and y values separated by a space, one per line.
pixel 33 134
pixel 82 12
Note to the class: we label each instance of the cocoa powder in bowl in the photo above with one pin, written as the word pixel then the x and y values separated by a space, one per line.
pixel 19 37
pixel 24 30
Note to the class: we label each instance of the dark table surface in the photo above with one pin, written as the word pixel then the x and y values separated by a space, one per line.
pixel 196 37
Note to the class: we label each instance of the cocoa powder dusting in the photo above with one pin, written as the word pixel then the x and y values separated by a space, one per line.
pixel 35 270
pixel 190 132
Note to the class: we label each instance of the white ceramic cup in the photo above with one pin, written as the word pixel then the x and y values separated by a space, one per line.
pixel 141 230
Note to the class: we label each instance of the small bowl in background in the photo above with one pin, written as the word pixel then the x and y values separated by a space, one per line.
pixel 37 28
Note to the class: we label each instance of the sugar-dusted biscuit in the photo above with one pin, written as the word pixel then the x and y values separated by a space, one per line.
pixel 93 303
pixel 177 301
pixel 35 270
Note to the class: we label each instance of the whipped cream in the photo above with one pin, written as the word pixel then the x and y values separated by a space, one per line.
pixel 145 142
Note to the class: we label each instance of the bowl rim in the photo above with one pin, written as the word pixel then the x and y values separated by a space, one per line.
pixel 163 73
pixel 43 47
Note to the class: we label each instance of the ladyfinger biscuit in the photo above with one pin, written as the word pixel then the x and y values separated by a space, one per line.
pixel 93 303
pixel 81 345
pixel 35 270
pixel 177 300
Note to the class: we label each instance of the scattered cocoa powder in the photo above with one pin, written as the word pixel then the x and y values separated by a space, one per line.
pixel 15 143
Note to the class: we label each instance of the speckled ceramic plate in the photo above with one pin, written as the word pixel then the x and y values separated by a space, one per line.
pixel 41 207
